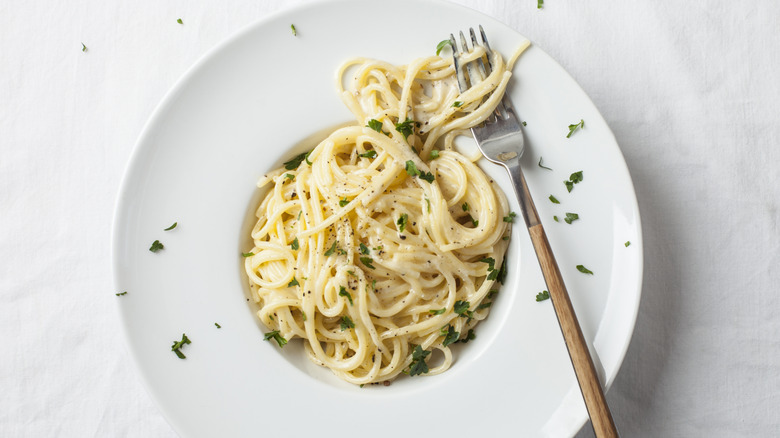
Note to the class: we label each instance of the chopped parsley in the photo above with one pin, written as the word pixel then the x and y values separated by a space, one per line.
pixel 465 206
pixel 441 45
pixel 555 218
pixel 293 282
pixel 553 200
pixel 121 293
pixel 462 308
pixel 401 222
pixel 406 127
pixel 177 346
pixel 368 154
pixel 418 365
pixel 451 336
pixel 363 248
pixel 502 271
pixel 490 261
pixel 217 324
pixel 343 293
pixel 434 154
pixel 543 295
pixel 156 246
pixel 343 202
pixel 346 323
pixel 292 28
pixel 524 123
pixel 574 178
pixel 411 168
pixel 331 250
pixel 628 242
pixel 584 270
pixel 83 47
pixel 510 217
pixel 274 334
pixel 457 104
pixel 470 336
pixel 539 4
pixel 295 245
pixel 437 311
pixel 374 124
pixel 571 217
pixel 171 227
pixel 296 161
pixel 368 262
pixel 474 221
pixel 427 176
pixel 289 176
pixel 542 165
pixel 575 127
pixel 484 305
pixel 247 254
pixel 179 21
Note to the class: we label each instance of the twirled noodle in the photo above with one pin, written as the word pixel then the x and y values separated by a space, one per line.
pixel 366 261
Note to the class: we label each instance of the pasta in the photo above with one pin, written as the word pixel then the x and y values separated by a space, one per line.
pixel 383 244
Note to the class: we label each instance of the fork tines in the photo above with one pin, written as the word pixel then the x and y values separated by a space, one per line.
pixel 474 70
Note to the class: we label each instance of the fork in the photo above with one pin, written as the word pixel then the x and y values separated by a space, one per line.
pixel 500 138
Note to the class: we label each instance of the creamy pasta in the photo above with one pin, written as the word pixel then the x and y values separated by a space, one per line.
pixel 384 244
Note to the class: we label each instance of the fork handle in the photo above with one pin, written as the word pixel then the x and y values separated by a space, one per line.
pixel 590 386
pixel 595 402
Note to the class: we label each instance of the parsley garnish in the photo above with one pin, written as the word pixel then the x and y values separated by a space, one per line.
pixel 510 217
pixel 574 178
pixel 539 4
pixel 470 336
pixel 307 158
pixel 83 47
pixel 401 222
pixel 292 28
pixel 343 293
pixel 628 242
pixel 247 254
pixel 457 104
pixel 465 206
pixel 171 227
pixel 490 261
pixel 330 251
pixel 176 347
pixel 451 336
pixel 473 221
pixel 584 270
pixel 543 295
pixel 296 161
pixel 555 218
pixel 289 176
pixel 570 217
pixel 434 154
pixel 441 45
pixel 405 127
pixel 524 123
pixel 428 201
pixel 121 293
pixel 293 282
pixel 411 168
pixel 295 245
pixel 368 154
pixel 438 311
pixel 346 322
pixel 363 248
pixel 462 308
pixel 274 334
pixel 553 200
pixel 418 365
pixel 573 128
pixel 484 305
pixel 179 21
pixel 368 262
pixel 156 246
pixel 542 165
pixel 502 271
pixel 343 202
pixel 217 324
pixel 374 124
pixel 427 176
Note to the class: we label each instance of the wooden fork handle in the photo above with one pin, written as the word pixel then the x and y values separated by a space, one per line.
pixel 595 402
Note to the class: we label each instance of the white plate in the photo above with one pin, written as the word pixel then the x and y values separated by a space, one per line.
pixel 250 104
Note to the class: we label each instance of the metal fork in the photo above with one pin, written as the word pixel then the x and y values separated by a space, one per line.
pixel 500 138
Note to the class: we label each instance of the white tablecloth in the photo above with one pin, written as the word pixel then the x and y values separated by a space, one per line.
pixel 690 89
